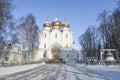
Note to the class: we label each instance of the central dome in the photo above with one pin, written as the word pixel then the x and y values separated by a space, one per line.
pixel 56 22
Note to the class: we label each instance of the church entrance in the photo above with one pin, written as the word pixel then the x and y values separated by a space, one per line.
pixel 55 55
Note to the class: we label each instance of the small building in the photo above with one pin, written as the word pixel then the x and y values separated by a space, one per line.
pixel 69 55
pixel 10 54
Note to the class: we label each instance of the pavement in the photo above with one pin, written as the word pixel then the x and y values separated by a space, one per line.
pixel 54 72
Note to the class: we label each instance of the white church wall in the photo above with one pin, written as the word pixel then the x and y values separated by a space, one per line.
pixel 67 39
pixel 41 39
pixel 47 28
pixel 44 39
pixel 38 55
pixel 49 54
pixel 55 36
pixel 71 40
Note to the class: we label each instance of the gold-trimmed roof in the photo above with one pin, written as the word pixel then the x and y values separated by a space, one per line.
pixel 46 24
pixel 56 22
pixel 65 25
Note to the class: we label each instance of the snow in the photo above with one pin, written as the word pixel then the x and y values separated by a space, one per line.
pixel 15 69
pixel 73 73
pixel 55 72
pixel 62 72
pixel 111 72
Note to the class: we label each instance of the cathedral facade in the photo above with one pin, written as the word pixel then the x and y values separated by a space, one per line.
pixel 54 37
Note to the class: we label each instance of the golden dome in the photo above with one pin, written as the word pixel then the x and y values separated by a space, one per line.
pixel 65 25
pixel 56 23
pixel 47 24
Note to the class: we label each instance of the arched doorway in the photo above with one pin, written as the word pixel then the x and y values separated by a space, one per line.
pixel 56 55
pixel 54 52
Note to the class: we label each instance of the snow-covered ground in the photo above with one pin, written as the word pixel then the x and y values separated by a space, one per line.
pixel 111 72
pixel 55 72
pixel 60 72
pixel 15 69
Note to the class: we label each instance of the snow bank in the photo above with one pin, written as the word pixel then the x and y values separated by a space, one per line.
pixel 15 69
pixel 110 71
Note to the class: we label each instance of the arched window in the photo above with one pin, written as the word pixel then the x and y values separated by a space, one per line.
pixel 56 35
pixel 66 35
pixel 44 45
pixel 45 35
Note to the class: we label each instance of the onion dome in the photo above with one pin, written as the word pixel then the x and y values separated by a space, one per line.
pixel 47 24
pixel 56 22
pixel 65 24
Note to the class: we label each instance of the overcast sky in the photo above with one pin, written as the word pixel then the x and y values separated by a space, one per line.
pixel 79 13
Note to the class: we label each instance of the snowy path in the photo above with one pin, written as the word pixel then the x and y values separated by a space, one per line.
pixel 54 72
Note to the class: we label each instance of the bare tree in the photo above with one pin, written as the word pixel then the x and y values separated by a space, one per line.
pixel 5 16
pixel 32 33
pixel 107 35
pixel 103 28
pixel 116 19
pixel 88 41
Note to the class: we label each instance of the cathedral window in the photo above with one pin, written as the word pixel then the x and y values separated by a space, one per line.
pixel 56 35
pixel 66 35
pixel 45 35
pixel 44 45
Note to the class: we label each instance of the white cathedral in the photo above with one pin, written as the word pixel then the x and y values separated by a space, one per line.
pixel 55 39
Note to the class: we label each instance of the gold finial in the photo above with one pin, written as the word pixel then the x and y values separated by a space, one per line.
pixel 56 22
pixel 47 24
pixel 65 24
